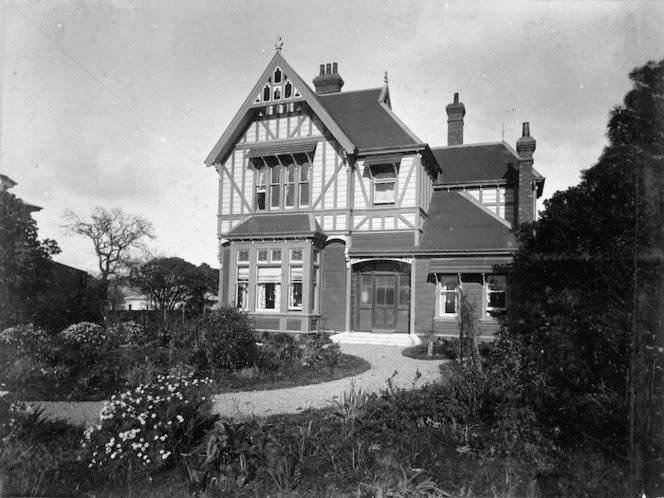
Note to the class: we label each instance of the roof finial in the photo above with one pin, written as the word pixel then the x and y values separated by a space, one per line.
pixel 278 44
pixel 385 77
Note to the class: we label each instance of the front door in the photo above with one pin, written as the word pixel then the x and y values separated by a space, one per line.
pixel 383 302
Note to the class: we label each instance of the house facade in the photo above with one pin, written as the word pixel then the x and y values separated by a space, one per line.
pixel 334 216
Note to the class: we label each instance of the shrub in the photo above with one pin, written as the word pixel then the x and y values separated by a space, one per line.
pixel 150 426
pixel 279 349
pixel 229 458
pixel 25 339
pixel 25 351
pixel 38 457
pixel 312 348
pixel 225 341
pixel 127 333
pixel 84 335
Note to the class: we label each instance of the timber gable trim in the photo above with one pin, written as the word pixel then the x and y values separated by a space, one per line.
pixel 238 125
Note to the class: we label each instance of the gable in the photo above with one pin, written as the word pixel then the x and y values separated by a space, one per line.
pixel 268 93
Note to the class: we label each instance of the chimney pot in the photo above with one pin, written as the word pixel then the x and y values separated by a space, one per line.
pixel 526 129
pixel 456 98
pixel 329 80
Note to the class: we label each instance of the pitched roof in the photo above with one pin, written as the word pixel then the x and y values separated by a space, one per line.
pixel 280 224
pixel 472 163
pixel 367 120
pixel 475 162
pixel 455 223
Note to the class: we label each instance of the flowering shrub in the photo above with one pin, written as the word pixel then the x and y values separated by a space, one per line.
pixel 127 332
pixel 150 426
pixel 85 334
pixel 24 349
pixel 25 339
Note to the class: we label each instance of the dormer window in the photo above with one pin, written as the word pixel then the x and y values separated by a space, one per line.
pixel 384 178
pixel 383 171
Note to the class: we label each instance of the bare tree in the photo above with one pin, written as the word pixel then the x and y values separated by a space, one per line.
pixel 116 236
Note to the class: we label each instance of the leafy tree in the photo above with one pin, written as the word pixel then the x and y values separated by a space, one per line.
pixel 116 235
pixel 174 282
pixel 589 279
pixel 25 262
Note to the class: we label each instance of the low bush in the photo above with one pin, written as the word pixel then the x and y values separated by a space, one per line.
pixel 151 426
pixel 130 332
pixel 38 457
pixel 224 340
pixel 229 458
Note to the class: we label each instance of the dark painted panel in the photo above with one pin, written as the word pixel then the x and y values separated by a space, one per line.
pixel 267 323
pixel 333 286
pixel 293 324
pixel 224 275
pixel 383 240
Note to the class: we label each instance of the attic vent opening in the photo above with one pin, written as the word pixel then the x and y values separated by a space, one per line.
pixel 278 87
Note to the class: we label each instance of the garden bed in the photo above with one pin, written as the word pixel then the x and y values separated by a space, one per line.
pixel 249 379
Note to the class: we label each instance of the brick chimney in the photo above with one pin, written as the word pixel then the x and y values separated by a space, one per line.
pixel 455 113
pixel 329 80
pixel 525 147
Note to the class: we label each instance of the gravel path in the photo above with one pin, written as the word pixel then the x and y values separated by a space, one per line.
pixel 385 360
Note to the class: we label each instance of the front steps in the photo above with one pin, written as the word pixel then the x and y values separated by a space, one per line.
pixel 396 339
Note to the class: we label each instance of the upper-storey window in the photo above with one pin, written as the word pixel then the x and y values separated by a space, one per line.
pixel 383 172
pixel 282 182
pixel 384 179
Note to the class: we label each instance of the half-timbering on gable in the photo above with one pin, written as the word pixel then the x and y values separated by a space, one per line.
pixel 334 216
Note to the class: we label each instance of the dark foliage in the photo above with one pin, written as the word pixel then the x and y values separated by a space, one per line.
pixel 590 282
pixel 25 263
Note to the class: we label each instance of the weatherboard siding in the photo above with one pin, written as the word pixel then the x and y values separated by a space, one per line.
pixel 333 286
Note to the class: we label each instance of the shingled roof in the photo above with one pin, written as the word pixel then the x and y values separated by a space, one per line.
pixel 367 122
pixel 282 224
pixel 455 223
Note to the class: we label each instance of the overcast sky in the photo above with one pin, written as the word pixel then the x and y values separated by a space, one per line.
pixel 117 103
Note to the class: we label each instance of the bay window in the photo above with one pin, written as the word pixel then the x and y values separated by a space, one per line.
pixel 242 288
pixel 268 288
pixel 295 288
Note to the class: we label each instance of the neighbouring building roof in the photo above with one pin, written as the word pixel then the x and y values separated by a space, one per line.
pixel 367 122
pixel 6 182
pixel 281 224
pixel 455 223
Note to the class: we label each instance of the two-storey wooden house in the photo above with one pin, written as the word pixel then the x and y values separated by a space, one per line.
pixel 334 216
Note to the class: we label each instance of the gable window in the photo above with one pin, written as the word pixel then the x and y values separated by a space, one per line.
pixel 282 181
pixel 495 287
pixel 268 288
